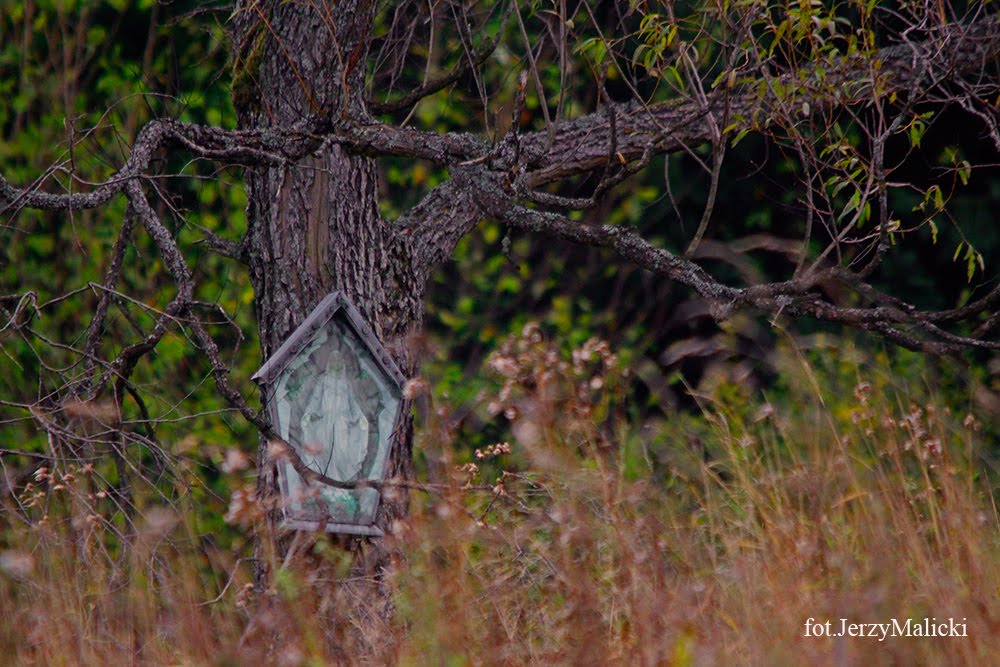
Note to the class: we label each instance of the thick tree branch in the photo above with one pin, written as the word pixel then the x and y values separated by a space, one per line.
pixel 271 146
pixel 582 144
pixel 579 145
pixel 256 147
pixel 638 131
pixel 432 228
pixel 900 322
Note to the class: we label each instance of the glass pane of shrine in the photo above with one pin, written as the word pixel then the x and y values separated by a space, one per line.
pixel 336 407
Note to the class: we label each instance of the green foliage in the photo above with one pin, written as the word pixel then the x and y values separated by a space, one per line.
pixel 83 85
pixel 179 69
pixel 676 445
pixel 654 498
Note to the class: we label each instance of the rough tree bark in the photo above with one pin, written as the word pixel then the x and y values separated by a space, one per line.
pixel 314 225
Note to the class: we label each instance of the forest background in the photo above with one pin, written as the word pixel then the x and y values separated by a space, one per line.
pixel 700 489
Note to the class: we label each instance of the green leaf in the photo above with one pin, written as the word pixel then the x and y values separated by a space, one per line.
pixel 964 171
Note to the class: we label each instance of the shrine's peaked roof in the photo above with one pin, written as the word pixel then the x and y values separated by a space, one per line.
pixel 331 304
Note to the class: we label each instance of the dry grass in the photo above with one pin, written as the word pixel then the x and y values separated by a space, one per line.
pixel 705 539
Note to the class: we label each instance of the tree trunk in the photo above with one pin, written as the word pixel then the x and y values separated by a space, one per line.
pixel 315 226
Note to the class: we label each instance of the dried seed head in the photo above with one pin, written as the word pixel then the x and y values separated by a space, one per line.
pixel 17 564
pixel 415 387
pixel 234 461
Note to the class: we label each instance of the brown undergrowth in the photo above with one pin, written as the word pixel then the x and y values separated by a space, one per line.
pixel 707 537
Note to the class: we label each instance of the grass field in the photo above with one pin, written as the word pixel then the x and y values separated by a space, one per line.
pixel 848 490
